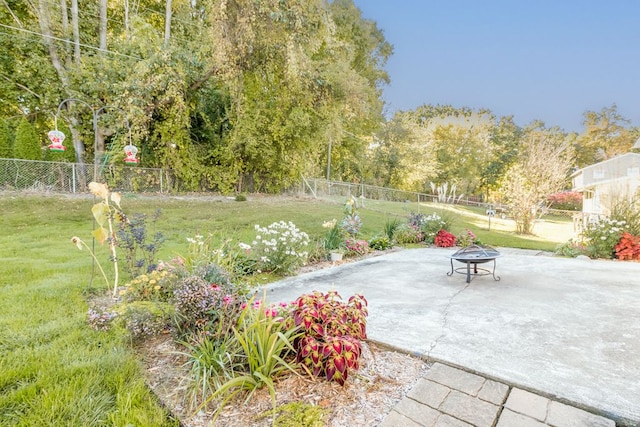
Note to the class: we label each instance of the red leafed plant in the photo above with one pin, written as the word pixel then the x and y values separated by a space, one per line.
pixel 628 247
pixel 331 333
pixel 444 239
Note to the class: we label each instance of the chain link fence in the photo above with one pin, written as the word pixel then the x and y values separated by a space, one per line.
pixel 62 177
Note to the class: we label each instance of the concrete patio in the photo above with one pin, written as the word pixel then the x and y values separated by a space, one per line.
pixel 564 329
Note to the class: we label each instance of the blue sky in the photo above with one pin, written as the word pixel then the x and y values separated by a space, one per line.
pixel 550 60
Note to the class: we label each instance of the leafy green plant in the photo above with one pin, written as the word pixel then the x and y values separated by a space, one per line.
pixel 380 243
pixel 241 198
pixel 390 227
pixel 444 239
pixel 601 237
pixel 334 239
pixel 104 213
pixel 297 414
pixel 351 223
pixel 211 362
pixel 466 238
pixel 266 342
pixel 356 247
pixel 331 329
pixel 145 318
pixel 571 248
pixel 431 225
pixel 280 247
pixel 155 286
pixel 133 238
pixel 407 234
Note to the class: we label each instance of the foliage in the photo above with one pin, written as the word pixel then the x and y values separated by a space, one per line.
pixel 6 140
pixel 351 223
pixel 380 243
pixel 628 210
pixel 607 134
pixel 298 414
pixel 466 238
pixel 407 234
pixel 601 237
pixel 390 227
pixel 103 212
pixel 145 318
pixel 628 247
pixel 155 286
pixel 565 200
pixel 203 306
pixel 356 247
pixel 100 318
pixel 430 225
pixel 571 248
pixel 444 239
pixel 280 247
pixel 133 238
pixel 541 169
pixel 334 239
pixel 26 144
pixel 211 362
pixel 266 342
pixel 240 198
pixel 331 329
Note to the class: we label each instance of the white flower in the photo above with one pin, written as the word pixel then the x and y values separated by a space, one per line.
pixel 244 246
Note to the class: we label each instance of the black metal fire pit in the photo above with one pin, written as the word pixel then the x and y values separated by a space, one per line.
pixel 474 255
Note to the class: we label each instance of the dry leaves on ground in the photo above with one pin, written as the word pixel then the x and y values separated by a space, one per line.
pixel 384 377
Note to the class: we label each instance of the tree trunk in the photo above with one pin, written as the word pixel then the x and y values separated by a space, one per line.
pixel 167 23
pixel 103 25
pixel 75 28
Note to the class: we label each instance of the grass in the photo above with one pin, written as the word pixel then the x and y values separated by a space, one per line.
pixel 55 370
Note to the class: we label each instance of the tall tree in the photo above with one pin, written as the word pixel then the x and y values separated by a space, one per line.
pixel 607 134
pixel 6 142
pixel 542 168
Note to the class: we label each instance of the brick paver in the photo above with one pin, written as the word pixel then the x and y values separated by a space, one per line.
pixel 451 397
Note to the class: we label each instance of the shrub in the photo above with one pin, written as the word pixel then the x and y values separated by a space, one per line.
pixel 100 318
pixel 629 212
pixel 133 238
pixel 380 243
pixel 145 318
pixel 334 239
pixel 572 249
pixel 566 200
pixel 466 238
pixel 280 247
pixel 356 247
pixel 155 286
pixel 26 144
pixel 444 239
pixel 390 228
pixel 351 223
pixel 331 329
pixel 431 225
pixel 266 341
pixel 628 248
pixel 241 198
pixel 601 237
pixel 406 234
pixel 6 143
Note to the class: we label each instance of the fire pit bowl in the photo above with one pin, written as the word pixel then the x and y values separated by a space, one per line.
pixel 474 255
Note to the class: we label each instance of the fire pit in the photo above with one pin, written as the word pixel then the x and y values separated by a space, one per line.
pixel 474 255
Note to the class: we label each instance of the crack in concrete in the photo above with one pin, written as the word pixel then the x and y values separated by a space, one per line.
pixel 445 316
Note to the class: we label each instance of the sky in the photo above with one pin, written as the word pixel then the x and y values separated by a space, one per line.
pixel 548 60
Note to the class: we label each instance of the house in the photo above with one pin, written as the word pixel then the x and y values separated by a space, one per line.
pixel 605 183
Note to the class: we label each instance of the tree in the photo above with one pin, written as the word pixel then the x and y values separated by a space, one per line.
pixel 542 168
pixel 607 135
pixel 6 143
pixel 26 145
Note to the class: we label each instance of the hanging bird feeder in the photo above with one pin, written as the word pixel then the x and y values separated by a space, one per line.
pixel 56 137
pixel 130 151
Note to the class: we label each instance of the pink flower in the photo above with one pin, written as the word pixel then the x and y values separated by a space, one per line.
pixel 256 304
pixel 271 312
pixel 215 287
pixel 227 300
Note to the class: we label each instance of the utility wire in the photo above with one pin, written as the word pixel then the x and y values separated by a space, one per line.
pixel 70 41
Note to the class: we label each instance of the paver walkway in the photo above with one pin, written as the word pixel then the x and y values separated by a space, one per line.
pixel 450 397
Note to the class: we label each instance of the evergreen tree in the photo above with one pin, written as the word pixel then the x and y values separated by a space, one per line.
pixel 6 144
pixel 27 145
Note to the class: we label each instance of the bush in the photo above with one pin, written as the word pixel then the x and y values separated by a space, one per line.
pixel 380 243
pixel 431 225
pixel 26 144
pixel 331 332
pixel 572 249
pixel 407 234
pixel 241 198
pixel 444 239
pixel 601 237
pixel 466 238
pixel 133 238
pixel 566 201
pixel 628 248
pixel 390 228
pixel 155 286
pixel 145 318
pixel 356 247
pixel 280 247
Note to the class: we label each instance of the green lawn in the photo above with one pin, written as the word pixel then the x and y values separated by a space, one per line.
pixel 55 370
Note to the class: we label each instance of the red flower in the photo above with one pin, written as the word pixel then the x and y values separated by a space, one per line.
pixel 444 239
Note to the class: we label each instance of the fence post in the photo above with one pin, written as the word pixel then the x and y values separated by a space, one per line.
pixel 161 173
pixel 73 177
